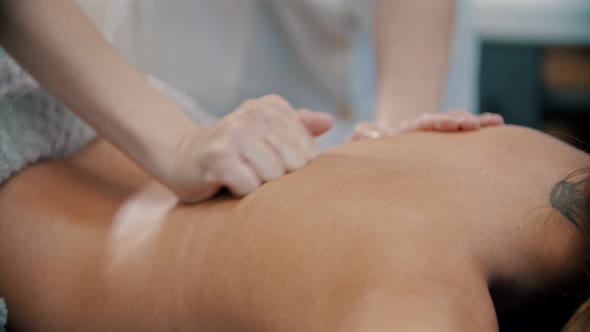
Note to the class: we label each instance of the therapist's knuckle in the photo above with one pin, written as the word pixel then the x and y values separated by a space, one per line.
pixel 254 114
pixel 217 152
pixel 260 112
pixel 246 110
pixel 426 117
pixel 238 132
pixel 249 103
pixel 295 161
pixel 266 116
pixel 241 186
pixel 277 102
pixel 274 98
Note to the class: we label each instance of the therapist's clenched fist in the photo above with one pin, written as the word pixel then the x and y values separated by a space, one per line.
pixel 260 141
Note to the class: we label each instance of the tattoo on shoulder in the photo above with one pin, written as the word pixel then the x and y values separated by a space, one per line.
pixel 567 197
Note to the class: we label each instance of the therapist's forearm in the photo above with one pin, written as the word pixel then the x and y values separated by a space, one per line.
pixel 59 46
pixel 413 45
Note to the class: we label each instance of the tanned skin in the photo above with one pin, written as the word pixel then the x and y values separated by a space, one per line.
pixel 398 234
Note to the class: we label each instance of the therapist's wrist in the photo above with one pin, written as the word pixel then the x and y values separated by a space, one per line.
pixel 395 116
pixel 160 153
pixel 150 133
pixel 393 112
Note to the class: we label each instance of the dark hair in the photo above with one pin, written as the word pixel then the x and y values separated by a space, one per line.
pixel 580 321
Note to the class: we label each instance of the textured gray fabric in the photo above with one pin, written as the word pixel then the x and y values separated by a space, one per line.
pixel 3 315
pixel 33 125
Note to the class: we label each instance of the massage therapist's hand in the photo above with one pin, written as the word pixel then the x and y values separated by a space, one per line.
pixel 261 140
pixel 456 120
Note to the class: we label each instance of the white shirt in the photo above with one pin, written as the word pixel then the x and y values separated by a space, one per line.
pixel 222 52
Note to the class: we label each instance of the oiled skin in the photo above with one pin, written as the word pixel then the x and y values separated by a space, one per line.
pixel 404 233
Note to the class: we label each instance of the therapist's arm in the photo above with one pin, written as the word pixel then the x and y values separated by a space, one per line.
pixel 413 45
pixel 59 46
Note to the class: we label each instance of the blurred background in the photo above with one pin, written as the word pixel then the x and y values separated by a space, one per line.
pixel 535 64
pixel 534 60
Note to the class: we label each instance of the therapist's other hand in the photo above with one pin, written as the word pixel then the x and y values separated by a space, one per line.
pixel 456 120
pixel 261 140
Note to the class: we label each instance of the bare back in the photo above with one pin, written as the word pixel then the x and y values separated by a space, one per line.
pixel 371 217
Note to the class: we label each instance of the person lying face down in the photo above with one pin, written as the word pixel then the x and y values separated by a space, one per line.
pixel 406 233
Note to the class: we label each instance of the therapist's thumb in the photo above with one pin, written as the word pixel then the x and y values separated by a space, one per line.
pixel 317 123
